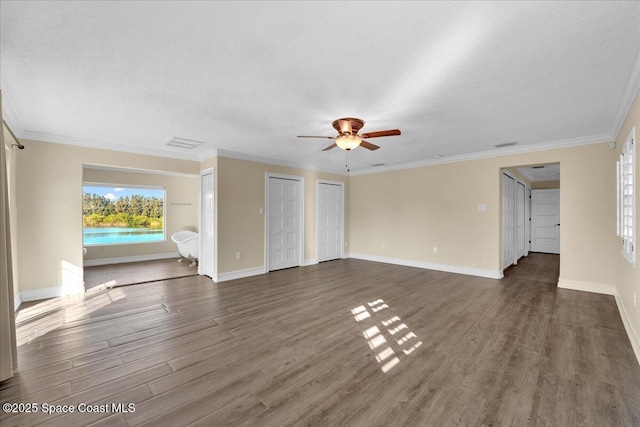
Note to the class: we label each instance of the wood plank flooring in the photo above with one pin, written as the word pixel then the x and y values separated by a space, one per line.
pixel 346 342
pixel 137 272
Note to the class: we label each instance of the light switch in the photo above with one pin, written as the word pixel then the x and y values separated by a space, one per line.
pixel 482 208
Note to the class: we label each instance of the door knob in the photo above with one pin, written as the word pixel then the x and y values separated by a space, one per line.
pixel 557 224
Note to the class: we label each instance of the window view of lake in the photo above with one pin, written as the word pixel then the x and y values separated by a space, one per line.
pixel 118 235
pixel 119 215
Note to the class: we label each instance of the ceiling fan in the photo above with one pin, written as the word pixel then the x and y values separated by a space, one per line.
pixel 348 137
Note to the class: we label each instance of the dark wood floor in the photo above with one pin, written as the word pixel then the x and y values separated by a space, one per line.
pixel 137 272
pixel 346 342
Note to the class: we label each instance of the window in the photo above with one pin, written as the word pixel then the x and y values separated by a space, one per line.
pixel 626 198
pixel 119 215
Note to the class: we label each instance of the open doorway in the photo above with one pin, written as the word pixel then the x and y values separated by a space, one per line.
pixel 128 219
pixel 530 211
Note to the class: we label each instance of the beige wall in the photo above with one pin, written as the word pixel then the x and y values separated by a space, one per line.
pixel 178 189
pixel 628 276
pixel 50 206
pixel 12 174
pixel 241 228
pixel 545 185
pixel 413 210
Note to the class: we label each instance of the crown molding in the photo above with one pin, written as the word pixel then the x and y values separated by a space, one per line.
pixel 94 166
pixel 9 113
pixel 213 152
pixel 633 86
pixel 285 163
pixel 552 145
pixel 89 143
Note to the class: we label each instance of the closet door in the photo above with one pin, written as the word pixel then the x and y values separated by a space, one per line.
pixel 508 221
pixel 329 217
pixel 285 204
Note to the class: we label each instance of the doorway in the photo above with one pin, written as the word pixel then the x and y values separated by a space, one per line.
pixel 530 211
pixel 329 220
pixel 545 221
pixel 285 218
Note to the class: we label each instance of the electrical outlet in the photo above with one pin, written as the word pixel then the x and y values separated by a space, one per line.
pixel 238 254
pixel 435 249
pixel 382 245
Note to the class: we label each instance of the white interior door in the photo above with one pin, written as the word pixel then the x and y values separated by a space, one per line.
pixel 545 221
pixel 329 217
pixel 508 221
pixel 520 220
pixel 527 218
pixel 207 207
pixel 285 228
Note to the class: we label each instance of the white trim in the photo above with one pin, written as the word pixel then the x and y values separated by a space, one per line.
pixel 310 261
pixel 17 301
pixel 278 162
pixel 93 166
pixel 9 113
pixel 527 210
pixel 203 172
pixel 545 146
pixel 470 271
pixel 301 182
pixel 633 85
pixel 342 187
pixel 47 293
pixel 597 288
pixel 104 145
pixel 634 337
pixel 629 243
pixel 239 274
pixel 125 259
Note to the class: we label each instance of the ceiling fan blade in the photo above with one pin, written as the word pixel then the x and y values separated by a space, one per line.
pixel 330 147
pixel 368 145
pixel 312 136
pixel 391 132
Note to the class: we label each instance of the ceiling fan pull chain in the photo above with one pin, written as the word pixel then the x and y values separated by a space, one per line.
pixel 347 165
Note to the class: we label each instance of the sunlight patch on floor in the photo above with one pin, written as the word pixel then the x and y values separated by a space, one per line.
pixel 376 328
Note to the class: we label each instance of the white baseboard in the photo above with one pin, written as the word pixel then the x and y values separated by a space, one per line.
pixel 310 261
pixel 238 274
pixel 52 292
pixel 597 288
pixel 125 259
pixel 628 326
pixel 471 271
pixel 600 288
pixel 17 301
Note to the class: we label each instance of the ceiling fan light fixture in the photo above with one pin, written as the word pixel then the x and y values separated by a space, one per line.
pixel 348 142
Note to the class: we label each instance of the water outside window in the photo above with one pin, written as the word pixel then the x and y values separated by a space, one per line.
pixel 120 215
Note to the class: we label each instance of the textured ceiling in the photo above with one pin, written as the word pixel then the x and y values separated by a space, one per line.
pixel 247 77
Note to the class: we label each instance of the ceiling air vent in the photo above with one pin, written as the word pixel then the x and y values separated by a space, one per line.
pixel 506 144
pixel 188 144
pixel 378 164
pixel 537 167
